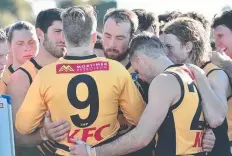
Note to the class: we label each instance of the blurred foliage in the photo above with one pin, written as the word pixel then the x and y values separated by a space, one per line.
pixel 15 10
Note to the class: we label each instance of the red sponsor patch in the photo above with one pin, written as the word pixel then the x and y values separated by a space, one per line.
pixel 82 67
pixel 189 73
pixel 1 105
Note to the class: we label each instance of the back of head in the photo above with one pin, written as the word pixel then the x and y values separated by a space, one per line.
pixel 7 29
pixel 21 25
pixel 200 18
pixel 225 20
pixel 123 15
pixel 189 30
pixel 46 17
pixel 2 36
pixel 79 23
pixel 167 17
pixel 148 44
pixel 147 20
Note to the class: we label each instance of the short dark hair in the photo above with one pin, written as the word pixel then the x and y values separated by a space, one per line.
pixel 225 19
pixel 46 17
pixel 200 18
pixel 79 22
pixel 146 20
pixel 148 44
pixel 19 26
pixel 2 35
pixel 123 15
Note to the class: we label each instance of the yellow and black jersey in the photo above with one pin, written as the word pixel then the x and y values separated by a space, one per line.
pixel 182 130
pixel 7 73
pixel 229 121
pixel 223 131
pixel 85 91
pixel 30 68
pixel 125 126
pixel 140 84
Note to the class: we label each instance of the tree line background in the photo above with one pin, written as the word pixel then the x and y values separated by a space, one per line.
pixel 15 10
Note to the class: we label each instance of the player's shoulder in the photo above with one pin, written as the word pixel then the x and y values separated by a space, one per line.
pixel 27 64
pixel 19 75
pixel 167 81
pixel 48 69
pixel 165 78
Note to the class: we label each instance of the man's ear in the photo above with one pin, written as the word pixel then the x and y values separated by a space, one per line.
pixel 40 34
pixel 189 46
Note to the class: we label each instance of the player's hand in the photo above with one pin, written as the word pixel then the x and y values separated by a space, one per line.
pixel 218 57
pixel 196 71
pixel 79 149
pixel 56 130
pixel 208 140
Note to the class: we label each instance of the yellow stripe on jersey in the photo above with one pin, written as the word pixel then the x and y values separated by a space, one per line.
pixel 7 73
pixel 229 118
pixel 209 68
pixel 182 130
pixel 85 91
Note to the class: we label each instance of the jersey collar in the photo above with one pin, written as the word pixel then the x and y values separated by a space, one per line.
pixel 79 57
pixel 174 65
pixel 35 63
pixel 205 64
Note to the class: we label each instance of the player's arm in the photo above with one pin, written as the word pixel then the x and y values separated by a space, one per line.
pixel 130 101
pixel 163 91
pixel 31 113
pixel 219 82
pixel 227 67
pixel 213 93
pixel 17 87
pixel 223 61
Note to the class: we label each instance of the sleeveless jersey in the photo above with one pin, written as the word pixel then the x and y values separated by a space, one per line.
pixel 182 130
pixel 85 91
pixel 125 126
pixel 31 68
pixel 7 73
pixel 223 131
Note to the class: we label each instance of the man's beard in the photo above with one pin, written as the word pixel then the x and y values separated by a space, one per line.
pixel 52 49
pixel 119 58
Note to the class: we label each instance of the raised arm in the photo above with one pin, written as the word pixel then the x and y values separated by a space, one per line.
pixel 213 94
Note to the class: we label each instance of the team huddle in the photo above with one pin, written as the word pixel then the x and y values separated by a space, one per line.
pixel 148 86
